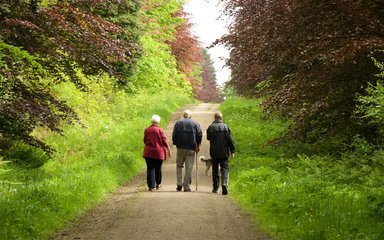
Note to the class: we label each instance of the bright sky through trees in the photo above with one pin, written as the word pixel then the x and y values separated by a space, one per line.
pixel 208 26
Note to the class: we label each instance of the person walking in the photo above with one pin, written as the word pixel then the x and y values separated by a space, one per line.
pixel 221 143
pixel 187 136
pixel 155 149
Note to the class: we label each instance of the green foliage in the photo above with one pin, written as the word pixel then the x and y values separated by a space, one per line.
pixel 156 69
pixel 298 191
pixel 229 91
pixel 372 105
pixel 73 32
pixel 26 156
pixel 27 99
pixel 2 168
pixel 91 160
pixel 158 19
pixel 370 109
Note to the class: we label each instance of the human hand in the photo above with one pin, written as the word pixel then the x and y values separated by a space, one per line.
pixel 169 153
pixel 233 155
pixel 197 148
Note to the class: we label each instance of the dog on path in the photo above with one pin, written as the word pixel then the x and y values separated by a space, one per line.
pixel 208 164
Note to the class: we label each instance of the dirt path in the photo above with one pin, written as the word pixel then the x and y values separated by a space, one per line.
pixel 134 213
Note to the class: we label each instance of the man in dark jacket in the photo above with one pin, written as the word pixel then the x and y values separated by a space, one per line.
pixel 187 136
pixel 221 143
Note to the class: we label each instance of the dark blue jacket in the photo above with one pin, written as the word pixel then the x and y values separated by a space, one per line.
pixel 187 134
pixel 220 138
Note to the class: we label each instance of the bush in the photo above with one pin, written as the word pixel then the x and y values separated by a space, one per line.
pixel 26 156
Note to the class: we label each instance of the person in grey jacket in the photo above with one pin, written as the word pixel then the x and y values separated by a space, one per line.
pixel 187 136
pixel 221 144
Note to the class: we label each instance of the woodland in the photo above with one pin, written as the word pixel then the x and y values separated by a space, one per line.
pixel 80 78
pixel 310 133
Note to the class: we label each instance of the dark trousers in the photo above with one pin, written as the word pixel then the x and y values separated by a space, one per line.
pixel 153 172
pixel 224 168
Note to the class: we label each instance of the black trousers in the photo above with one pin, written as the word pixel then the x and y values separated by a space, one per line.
pixel 154 174
pixel 224 168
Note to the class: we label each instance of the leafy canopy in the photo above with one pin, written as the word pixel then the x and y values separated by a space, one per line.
pixel 46 42
pixel 309 57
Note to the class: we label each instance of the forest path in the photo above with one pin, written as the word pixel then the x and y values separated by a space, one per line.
pixel 134 213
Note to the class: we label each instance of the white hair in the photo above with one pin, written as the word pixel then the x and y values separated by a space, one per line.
pixel 155 118
pixel 187 114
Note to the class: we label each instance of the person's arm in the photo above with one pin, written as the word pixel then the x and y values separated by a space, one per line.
pixel 174 134
pixel 165 143
pixel 199 137
pixel 163 138
pixel 231 143
pixel 199 134
pixel 145 136
pixel 209 133
pixel 169 152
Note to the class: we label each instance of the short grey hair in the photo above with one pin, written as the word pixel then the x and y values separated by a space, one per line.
pixel 187 114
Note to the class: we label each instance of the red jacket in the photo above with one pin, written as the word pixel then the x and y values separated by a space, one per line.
pixel 155 143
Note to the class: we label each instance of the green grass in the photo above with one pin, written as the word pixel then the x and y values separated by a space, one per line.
pixel 91 160
pixel 302 191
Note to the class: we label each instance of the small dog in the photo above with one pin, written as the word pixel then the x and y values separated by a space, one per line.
pixel 208 164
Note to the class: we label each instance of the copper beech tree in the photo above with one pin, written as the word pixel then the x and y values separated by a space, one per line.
pixel 49 42
pixel 186 48
pixel 70 32
pixel 310 58
pixel 194 62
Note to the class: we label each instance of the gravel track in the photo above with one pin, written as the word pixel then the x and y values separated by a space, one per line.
pixel 133 213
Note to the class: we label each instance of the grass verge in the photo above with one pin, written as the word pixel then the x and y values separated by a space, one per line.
pixel 299 191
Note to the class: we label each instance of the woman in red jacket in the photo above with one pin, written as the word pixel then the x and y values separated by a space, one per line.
pixel 155 149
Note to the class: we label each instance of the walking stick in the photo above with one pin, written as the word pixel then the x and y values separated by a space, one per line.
pixel 197 170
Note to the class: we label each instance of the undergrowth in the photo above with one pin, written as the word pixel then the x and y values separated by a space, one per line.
pixel 302 191
pixel 92 159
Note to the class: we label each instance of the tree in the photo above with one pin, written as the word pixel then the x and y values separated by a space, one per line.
pixel 40 45
pixel 26 99
pixel 186 48
pixel 67 34
pixel 209 89
pixel 310 57
pixel 157 67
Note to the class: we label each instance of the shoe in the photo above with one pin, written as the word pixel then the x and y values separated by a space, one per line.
pixel 178 188
pixel 151 189
pixel 214 190
pixel 158 186
pixel 187 189
pixel 225 190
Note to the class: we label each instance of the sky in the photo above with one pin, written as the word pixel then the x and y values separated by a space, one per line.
pixel 208 26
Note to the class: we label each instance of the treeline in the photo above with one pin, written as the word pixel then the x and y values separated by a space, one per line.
pixel 317 63
pixel 140 45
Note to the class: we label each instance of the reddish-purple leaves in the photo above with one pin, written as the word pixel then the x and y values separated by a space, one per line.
pixel 186 49
pixel 312 57
pixel 55 41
